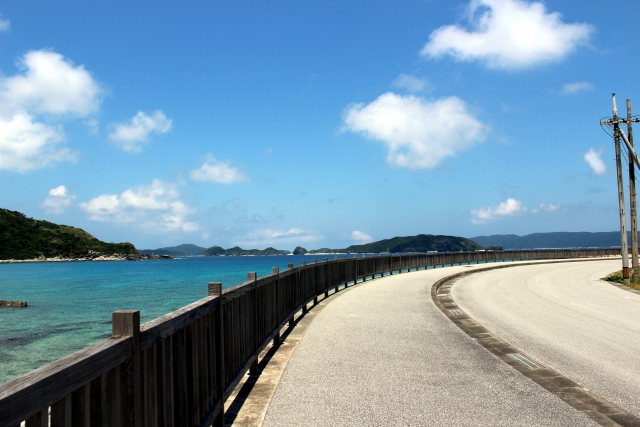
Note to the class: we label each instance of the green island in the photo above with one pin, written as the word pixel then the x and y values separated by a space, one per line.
pixel 419 243
pixel 23 238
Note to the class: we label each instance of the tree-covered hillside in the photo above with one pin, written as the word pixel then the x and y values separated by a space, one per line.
pixel 27 238
pixel 419 243
pixel 236 251
pixel 565 239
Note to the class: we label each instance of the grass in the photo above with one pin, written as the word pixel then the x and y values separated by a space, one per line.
pixel 616 276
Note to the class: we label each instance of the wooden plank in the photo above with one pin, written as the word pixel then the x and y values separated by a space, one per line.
pixel 61 412
pixel 127 323
pixel 180 378
pixel 95 401
pixel 158 329
pixel 28 394
pixel 167 381
pixel 40 419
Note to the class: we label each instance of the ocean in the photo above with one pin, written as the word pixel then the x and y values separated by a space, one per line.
pixel 70 303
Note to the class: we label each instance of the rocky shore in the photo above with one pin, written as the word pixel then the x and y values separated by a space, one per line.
pixel 93 256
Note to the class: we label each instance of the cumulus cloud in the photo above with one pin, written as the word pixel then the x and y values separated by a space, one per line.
pixel 508 208
pixel 546 207
pixel 26 144
pixel 410 83
pixel 48 87
pixel 418 133
pixel 592 158
pixel 269 237
pixel 511 207
pixel 361 237
pixel 57 201
pixel 508 34
pixel 155 207
pixel 5 24
pixel 577 87
pixel 134 135
pixel 217 171
pixel 50 83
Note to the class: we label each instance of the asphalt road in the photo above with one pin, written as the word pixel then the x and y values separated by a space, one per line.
pixel 382 354
pixel 568 319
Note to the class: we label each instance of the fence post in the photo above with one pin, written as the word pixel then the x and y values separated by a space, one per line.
pixel 126 323
pixel 253 369
pixel 276 313
pixel 326 274
pixel 292 320
pixel 315 283
pixel 303 279
pixel 215 290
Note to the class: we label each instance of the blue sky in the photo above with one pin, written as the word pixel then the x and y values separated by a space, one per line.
pixel 313 123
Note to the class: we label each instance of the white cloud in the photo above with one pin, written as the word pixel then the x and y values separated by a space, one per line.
pixel 269 237
pixel 155 207
pixel 410 83
pixel 26 144
pixel 134 135
pixel 417 133
pixel 577 87
pixel 47 86
pixel 546 207
pixel 5 24
pixel 508 208
pixel 51 84
pixel 361 237
pixel 592 158
pixel 217 171
pixel 511 207
pixel 508 34
pixel 57 201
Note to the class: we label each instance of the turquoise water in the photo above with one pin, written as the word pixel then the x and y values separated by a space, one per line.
pixel 70 303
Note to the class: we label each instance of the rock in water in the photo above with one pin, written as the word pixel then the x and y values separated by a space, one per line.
pixel 4 303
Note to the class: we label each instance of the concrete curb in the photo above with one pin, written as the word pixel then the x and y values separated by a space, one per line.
pixel 593 406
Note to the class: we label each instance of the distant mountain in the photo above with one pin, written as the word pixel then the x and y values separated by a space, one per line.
pixel 27 238
pixel 581 239
pixel 419 243
pixel 180 250
pixel 238 251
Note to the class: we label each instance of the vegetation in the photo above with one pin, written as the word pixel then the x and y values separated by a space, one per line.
pixel 617 278
pixel 27 238
pixel 237 251
pixel 180 250
pixel 553 240
pixel 419 243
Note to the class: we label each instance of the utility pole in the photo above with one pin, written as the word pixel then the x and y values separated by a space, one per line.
pixel 635 272
pixel 624 248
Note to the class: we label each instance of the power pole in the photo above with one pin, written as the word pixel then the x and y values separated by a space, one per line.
pixel 624 248
pixel 635 271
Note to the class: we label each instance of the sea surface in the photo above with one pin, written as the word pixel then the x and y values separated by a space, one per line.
pixel 70 303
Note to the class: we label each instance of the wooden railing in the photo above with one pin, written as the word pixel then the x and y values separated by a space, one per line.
pixel 179 369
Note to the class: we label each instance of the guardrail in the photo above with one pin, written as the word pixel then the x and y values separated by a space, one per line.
pixel 179 369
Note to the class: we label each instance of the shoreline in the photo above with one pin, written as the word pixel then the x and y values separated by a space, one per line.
pixel 91 258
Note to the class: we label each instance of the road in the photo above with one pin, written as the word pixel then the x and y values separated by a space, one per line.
pixel 383 354
pixel 564 316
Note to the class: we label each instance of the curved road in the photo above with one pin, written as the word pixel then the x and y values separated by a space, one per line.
pixel 568 319
pixel 383 354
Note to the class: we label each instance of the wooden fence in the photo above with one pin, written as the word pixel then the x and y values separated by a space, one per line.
pixel 179 369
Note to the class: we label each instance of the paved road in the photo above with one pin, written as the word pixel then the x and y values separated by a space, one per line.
pixel 565 317
pixel 382 354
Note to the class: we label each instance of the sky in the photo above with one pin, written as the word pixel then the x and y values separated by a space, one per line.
pixel 313 123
